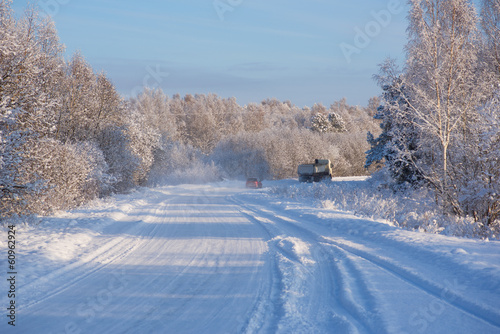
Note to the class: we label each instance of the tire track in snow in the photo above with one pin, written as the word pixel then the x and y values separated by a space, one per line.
pixel 332 305
pixel 112 251
pixel 353 293
pixel 190 284
pixel 268 309
pixel 439 291
pixel 329 287
pixel 153 312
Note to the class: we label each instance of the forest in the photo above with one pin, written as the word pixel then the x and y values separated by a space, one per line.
pixel 67 136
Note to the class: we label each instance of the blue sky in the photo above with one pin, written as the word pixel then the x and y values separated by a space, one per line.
pixel 303 51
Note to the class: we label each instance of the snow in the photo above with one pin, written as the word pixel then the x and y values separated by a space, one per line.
pixel 220 258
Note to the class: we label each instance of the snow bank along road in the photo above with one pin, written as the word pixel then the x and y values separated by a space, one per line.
pixel 222 259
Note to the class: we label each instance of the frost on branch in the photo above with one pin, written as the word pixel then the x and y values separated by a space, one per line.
pixel 439 117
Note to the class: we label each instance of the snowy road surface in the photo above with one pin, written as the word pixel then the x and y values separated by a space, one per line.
pixel 222 259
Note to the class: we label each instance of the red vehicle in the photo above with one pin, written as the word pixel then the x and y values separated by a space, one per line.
pixel 253 182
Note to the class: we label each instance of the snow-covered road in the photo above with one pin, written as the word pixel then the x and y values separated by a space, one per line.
pixel 223 259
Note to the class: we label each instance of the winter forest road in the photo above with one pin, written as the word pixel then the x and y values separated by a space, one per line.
pixel 223 259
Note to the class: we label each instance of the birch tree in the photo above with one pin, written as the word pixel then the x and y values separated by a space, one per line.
pixel 490 21
pixel 442 77
pixel 78 93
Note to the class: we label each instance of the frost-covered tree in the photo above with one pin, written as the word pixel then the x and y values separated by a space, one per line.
pixel 320 123
pixel 442 79
pixel 198 121
pixel 122 163
pixel 490 21
pixel 30 66
pixel 276 154
pixel 332 122
pixel 478 175
pixel 64 170
pixel 53 120
pixel 228 114
pixel 373 104
pixel 143 140
pixel 397 145
pixel 14 186
pixel 337 123
pixel 439 117
pixel 75 120
pixel 89 103
pixel 108 107
pixel 254 117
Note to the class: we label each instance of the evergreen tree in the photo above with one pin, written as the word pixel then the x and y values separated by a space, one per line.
pixel 332 122
pixel 337 123
pixel 320 123
pixel 397 145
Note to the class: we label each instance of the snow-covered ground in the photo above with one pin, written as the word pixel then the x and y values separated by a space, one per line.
pixel 220 258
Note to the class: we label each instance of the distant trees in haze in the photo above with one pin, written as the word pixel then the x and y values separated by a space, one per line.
pixel 267 139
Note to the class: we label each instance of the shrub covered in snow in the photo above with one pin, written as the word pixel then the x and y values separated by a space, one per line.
pixel 371 197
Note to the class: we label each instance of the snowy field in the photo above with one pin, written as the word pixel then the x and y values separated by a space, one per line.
pixel 220 258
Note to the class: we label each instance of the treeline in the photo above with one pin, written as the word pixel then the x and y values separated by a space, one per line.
pixel 64 137
pixel 267 140
pixel 67 136
pixel 440 114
